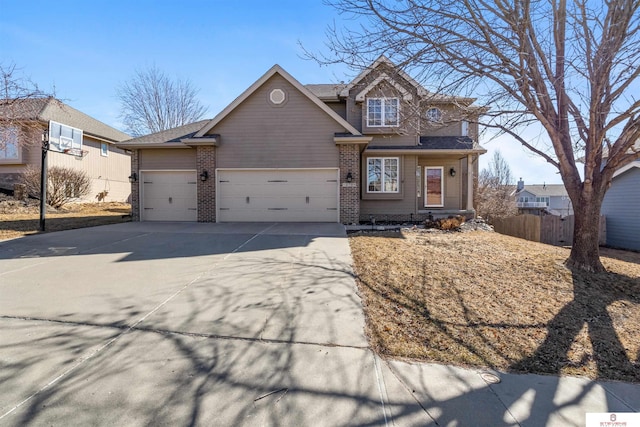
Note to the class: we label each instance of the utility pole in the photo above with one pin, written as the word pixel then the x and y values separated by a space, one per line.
pixel 43 178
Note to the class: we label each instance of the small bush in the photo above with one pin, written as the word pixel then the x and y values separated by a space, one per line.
pixel 63 184
pixel 450 223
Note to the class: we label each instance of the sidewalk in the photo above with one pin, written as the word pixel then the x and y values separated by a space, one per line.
pixel 450 396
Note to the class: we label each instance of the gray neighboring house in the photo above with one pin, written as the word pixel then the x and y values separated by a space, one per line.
pixel 543 199
pixel 621 205
pixel 378 148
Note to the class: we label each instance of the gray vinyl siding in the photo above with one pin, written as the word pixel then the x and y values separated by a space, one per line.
pixel 258 134
pixel 338 107
pixel 620 207
pixel 452 185
pixel 392 203
pixel 169 159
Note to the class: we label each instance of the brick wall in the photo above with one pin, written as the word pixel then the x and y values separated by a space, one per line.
pixel 135 186
pixel 206 161
pixel 349 191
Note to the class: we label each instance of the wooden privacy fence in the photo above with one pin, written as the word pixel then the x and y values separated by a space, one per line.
pixel 549 229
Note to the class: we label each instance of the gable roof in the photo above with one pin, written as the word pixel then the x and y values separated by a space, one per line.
pixel 276 69
pixel 383 60
pixel 50 108
pixel 626 168
pixel 422 92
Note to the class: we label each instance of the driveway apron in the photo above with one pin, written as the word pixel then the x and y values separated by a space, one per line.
pixel 186 324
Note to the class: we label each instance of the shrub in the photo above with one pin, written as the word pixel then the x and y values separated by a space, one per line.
pixel 63 184
pixel 450 223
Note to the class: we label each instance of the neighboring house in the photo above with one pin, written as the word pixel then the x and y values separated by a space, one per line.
pixel 379 148
pixel 76 140
pixel 621 205
pixel 543 199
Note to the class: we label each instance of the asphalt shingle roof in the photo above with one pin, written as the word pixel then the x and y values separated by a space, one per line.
pixel 326 90
pixel 45 109
pixel 170 135
pixel 546 190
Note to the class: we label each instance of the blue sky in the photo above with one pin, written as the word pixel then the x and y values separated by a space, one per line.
pixel 83 50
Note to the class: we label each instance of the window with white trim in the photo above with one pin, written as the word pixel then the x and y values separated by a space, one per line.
pixel 382 174
pixel 464 128
pixel 434 115
pixel 9 149
pixel 383 112
pixel 434 187
pixel 104 149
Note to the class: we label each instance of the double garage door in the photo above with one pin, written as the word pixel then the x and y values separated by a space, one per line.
pixel 265 195
pixel 278 195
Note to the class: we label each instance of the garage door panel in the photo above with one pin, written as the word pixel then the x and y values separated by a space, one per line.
pixel 278 195
pixel 169 196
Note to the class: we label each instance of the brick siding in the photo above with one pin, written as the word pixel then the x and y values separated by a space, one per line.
pixel 206 161
pixel 349 192
pixel 135 186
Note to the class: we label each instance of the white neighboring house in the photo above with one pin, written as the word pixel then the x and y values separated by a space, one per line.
pixel 77 141
pixel 621 205
pixel 542 199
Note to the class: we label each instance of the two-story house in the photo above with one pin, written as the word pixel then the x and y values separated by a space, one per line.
pixel 77 141
pixel 542 199
pixel 380 147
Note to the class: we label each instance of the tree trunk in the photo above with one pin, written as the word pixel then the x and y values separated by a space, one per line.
pixel 585 251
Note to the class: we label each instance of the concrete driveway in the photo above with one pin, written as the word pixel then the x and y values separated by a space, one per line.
pixel 237 324
pixel 179 324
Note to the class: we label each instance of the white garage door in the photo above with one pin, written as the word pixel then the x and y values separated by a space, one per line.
pixel 278 195
pixel 169 196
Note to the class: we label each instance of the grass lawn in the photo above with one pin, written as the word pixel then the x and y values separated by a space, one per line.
pixel 483 299
pixel 18 221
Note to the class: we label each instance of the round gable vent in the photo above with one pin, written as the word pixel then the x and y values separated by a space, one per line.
pixel 277 96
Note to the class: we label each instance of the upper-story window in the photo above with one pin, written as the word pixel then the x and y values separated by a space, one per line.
pixel 544 200
pixel 104 149
pixel 434 115
pixel 383 112
pixel 9 149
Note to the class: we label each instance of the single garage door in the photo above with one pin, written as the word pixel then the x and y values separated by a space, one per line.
pixel 278 195
pixel 169 196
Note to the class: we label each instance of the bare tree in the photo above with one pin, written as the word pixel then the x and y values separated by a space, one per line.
pixel 16 91
pixel 569 67
pixel 152 102
pixel 495 185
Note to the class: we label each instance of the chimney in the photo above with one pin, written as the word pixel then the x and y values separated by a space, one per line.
pixel 520 186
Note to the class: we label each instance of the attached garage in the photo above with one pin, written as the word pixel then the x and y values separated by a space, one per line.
pixel 169 196
pixel 277 195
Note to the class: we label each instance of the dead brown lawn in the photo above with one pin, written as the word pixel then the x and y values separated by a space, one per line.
pixel 18 221
pixel 487 300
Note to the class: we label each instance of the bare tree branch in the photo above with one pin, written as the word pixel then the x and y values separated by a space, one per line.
pixel 152 102
pixel 571 65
